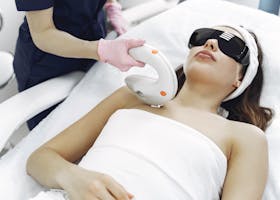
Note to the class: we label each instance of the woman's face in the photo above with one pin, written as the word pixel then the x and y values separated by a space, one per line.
pixel 220 70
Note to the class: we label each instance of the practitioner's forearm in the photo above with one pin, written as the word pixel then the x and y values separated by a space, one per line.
pixel 65 45
pixel 49 168
pixel 48 38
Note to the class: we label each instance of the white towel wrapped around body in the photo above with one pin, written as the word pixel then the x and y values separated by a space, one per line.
pixel 157 158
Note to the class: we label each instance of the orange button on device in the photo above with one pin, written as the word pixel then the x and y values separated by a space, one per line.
pixel 154 51
pixel 163 93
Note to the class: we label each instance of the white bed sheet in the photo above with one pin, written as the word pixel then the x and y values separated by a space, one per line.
pixel 169 32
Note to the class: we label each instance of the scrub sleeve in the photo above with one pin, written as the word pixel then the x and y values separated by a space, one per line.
pixel 84 19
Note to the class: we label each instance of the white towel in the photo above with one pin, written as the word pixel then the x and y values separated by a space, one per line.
pixel 157 158
pixel 51 195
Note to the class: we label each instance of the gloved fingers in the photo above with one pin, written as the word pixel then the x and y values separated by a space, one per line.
pixel 124 26
pixel 124 69
pixel 117 5
pixel 115 17
pixel 132 62
pixel 113 5
pixel 121 30
pixel 127 62
pixel 140 64
pixel 132 43
pixel 120 26
pixel 124 29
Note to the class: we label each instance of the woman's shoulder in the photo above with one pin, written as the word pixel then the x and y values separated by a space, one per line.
pixel 127 97
pixel 245 135
pixel 243 128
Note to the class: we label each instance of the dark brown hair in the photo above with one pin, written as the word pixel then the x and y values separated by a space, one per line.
pixel 246 107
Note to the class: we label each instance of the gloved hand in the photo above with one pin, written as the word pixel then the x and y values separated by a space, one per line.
pixel 114 13
pixel 115 52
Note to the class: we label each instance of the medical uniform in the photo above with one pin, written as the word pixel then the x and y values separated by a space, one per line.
pixel 84 19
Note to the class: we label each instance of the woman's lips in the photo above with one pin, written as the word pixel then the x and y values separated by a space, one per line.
pixel 205 54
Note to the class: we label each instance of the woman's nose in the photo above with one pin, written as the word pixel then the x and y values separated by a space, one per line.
pixel 211 44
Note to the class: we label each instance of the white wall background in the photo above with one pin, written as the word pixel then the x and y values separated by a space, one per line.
pixel 11 21
pixel 251 3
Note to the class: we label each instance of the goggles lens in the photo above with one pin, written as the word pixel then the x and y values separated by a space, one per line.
pixel 229 44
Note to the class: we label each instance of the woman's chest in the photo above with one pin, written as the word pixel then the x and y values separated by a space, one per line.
pixel 211 126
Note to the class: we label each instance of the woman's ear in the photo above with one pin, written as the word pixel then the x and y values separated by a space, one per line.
pixel 236 84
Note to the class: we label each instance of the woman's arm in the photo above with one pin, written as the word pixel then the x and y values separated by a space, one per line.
pixel 51 164
pixel 248 166
pixel 49 39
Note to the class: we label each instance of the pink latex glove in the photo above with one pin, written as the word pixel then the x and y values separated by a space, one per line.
pixel 114 13
pixel 115 52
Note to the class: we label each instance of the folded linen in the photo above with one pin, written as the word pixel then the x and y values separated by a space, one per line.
pixel 53 194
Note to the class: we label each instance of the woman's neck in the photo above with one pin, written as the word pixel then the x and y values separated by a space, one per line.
pixel 198 99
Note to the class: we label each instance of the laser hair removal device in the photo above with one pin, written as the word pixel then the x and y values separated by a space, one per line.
pixel 152 91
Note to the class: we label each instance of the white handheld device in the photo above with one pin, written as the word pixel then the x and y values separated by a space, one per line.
pixel 155 92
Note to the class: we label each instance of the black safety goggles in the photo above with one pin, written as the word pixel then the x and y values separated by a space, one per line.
pixel 228 43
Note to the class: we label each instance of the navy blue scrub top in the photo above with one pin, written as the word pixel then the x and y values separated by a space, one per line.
pixel 84 19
